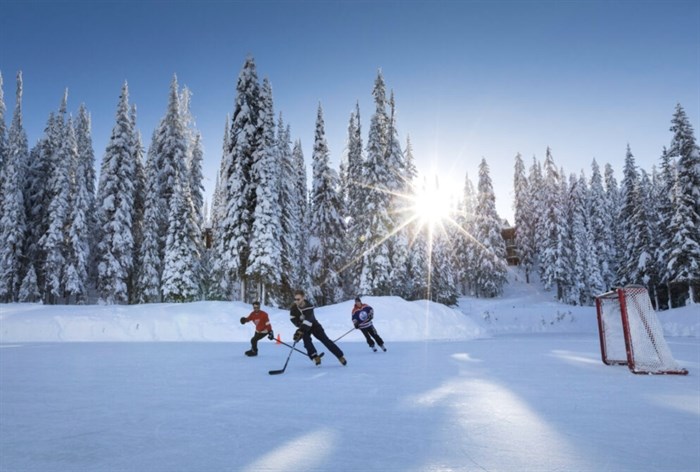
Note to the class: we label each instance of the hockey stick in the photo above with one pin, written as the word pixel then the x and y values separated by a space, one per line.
pixel 336 340
pixel 281 371
pixel 297 349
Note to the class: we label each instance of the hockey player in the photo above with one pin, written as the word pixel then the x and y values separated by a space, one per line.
pixel 262 328
pixel 362 315
pixel 302 316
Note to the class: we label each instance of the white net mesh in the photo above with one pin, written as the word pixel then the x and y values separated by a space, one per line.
pixel 631 309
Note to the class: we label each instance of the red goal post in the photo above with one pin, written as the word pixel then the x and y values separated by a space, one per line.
pixel 631 334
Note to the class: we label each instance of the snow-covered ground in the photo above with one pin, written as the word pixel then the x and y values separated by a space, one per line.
pixel 510 384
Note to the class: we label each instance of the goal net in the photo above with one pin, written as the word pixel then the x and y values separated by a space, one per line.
pixel 630 333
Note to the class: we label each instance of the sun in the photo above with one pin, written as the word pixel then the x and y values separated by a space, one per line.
pixel 431 205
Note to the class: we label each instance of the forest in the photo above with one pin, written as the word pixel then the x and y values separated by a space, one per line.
pixel 140 230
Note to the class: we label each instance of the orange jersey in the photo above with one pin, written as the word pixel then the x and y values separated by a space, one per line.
pixel 261 321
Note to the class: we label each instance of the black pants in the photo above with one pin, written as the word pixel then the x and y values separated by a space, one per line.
pixel 254 340
pixel 320 334
pixel 370 332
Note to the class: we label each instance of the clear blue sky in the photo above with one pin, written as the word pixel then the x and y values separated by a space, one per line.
pixel 472 79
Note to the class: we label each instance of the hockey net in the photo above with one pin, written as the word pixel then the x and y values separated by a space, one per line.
pixel 631 334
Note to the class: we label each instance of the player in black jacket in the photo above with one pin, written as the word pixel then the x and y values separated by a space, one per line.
pixel 302 316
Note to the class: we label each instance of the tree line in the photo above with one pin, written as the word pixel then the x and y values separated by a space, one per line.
pixel 136 235
pixel 585 236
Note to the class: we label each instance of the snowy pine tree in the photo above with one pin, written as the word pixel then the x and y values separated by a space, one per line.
pixel 265 245
pixel 684 258
pixel 490 265
pixel 235 232
pixel 375 278
pixel 115 205
pixel 12 213
pixel 524 218
pixel 327 228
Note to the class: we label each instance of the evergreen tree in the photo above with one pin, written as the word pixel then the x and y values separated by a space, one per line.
pixel 354 201
pixel 630 198
pixel 219 285
pixel 601 228
pixel 524 218
pixel 537 198
pixel 55 241
pixel 181 259
pixel 466 243
pixel 265 244
pixel 3 135
pixel 665 208
pixel 684 259
pixel 327 228
pixel 115 204
pixel 685 151
pixel 302 273
pixel 85 182
pixel 613 208
pixel 490 266
pixel 12 213
pixel 375 278
pixel 138 208
pixel 552 254
pixel 240 188
pixel 644 229
pixel 398 186
pixel 150 262
pixel 29 290
pixel 290 212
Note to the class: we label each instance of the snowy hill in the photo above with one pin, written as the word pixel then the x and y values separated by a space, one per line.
pixel 524 308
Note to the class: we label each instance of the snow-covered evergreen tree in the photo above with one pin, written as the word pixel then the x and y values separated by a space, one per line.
pixel 240 190
pixel 645 230
pixel 327 228
pixel 290 212
pixel 490 265
pixel 215 278
pixel 537 198
pixel 553 222
pixel 85 176
pixel 181 258
pixel 414 285
pixel 115 206
pixel 685 151
pixel 613 207
pixel 684 258
pixel 601 229
pixel 300 236
pixel 375 278
pixel 265 245
pixel 3 134
pixel 631 198
pixel 150 259
pixel 466 245
pixel 399 187
pixel 29 290
pixel 354 201
pixel 138 208
pixel 524 218
pixel 12 213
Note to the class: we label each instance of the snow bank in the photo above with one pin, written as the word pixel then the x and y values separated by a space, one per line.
pixel 395 319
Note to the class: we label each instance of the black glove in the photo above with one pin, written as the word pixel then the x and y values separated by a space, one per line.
pixel 298 335
pixel 244 320
pixel 270 335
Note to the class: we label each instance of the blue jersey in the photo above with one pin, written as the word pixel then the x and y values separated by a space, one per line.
pixel 362 317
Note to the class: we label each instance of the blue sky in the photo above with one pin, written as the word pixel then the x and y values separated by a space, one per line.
pixel 472 79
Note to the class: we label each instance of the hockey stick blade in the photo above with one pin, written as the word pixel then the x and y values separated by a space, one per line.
pixel 276 372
